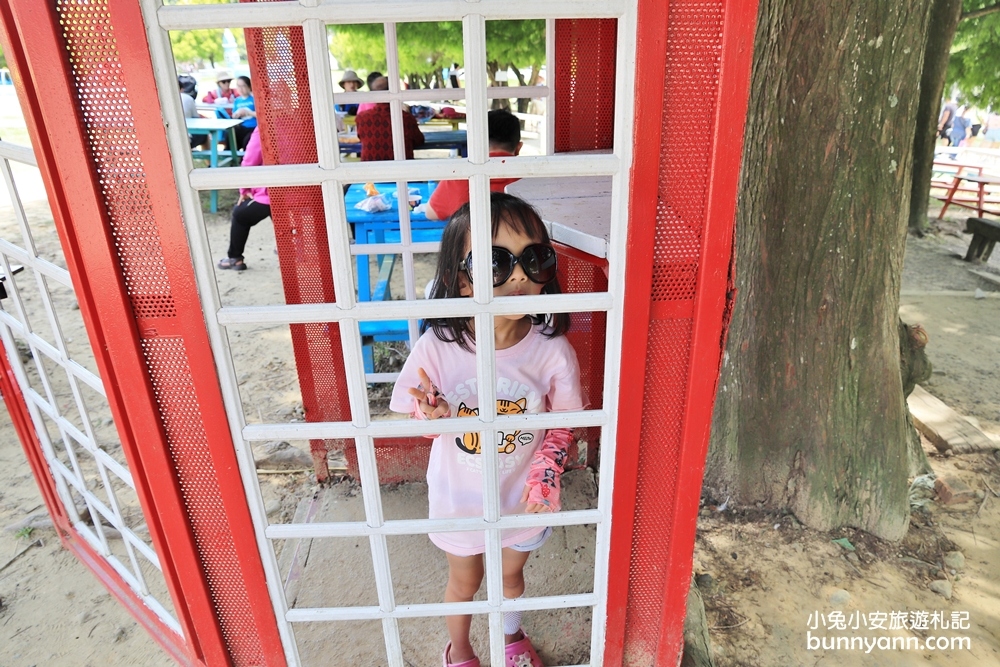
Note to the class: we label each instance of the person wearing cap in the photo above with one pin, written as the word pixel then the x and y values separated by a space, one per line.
pixel 350 82
pixel 223 79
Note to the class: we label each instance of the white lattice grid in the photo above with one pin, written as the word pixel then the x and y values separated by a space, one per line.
pixel 332 174
pixel 70 406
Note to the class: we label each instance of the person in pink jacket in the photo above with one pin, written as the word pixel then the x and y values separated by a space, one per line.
pixel 536 371
pixel 253 206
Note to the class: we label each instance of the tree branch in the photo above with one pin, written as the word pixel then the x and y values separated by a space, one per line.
pixel 975 14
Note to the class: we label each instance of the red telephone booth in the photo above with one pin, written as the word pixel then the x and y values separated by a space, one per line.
pixel 648 98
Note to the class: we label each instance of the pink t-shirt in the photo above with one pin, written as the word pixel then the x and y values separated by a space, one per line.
pixel 538 374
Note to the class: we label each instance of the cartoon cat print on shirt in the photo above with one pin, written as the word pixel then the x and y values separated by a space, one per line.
pixel 508 442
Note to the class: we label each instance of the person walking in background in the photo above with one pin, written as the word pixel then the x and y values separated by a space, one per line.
pixel 375 130
pixel 253 206
pixel 946 119
pixel 245 110
pixel 960 126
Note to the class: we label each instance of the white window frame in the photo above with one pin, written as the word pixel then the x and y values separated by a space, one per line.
pixel 332 174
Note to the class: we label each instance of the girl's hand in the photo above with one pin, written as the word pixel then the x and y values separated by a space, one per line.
pixel 430 401
pixel 533 508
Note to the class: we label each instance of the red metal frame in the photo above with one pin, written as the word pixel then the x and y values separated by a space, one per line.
pixel 38 53
pixel 661 645
pixel 35 45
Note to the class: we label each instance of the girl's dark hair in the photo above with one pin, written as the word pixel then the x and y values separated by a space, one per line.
pixel 520 217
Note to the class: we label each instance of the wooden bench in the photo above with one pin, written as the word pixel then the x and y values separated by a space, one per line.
pixel 985 234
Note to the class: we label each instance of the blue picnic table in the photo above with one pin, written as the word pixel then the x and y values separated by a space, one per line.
pixel 451 139
pixel 215 128
pixel 383 227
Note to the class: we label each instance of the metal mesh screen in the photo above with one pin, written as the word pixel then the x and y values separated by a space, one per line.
pixel 579 272
pixel 183 421
pixel 693 52
pixel 694 47
pixel 659 445
pixel 108 121
pixel 585 83
pixel 281 84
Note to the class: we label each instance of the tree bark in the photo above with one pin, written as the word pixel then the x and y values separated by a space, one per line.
pixel 945 16
pixel 810 414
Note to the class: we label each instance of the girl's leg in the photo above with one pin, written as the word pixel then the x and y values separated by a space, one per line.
pixel 245 215
pixel 513 587
pixel 465 574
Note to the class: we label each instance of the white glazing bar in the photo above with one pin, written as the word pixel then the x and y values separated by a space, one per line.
pixel 203 264
pixel 550 80
pixel 474 40
pixel 397 310
pixel 307 614
pixel 404 428
pixel 393 646
pixel 273 14
pixel 623 131
pixel 386 378
pixel 17 153
pixel 394 248
pixel 43 346
pixel 439 94
pixel 18 206
pixel 395 106
pixel 321 92
pixel 341 261
pixel 562 165
pixel 42 266
pixel 293 531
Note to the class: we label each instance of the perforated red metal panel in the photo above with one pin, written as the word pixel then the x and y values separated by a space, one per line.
pixel 145 310
pixel 281 86
pixel 691 93
pixel 585 83
pixel 579 273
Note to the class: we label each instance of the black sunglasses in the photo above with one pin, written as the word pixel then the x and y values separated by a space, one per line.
pixel 538 261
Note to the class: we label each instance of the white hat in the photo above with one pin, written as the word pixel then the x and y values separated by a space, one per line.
pixel 351 75
pixel 223 75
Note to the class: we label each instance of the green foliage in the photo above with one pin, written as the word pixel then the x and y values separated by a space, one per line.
pixel 974 66
pixel 427 48
pixel 24 533
pixel 202 47
pixel 3 58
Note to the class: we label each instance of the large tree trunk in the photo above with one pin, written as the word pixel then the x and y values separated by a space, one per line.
pixel 810 413
pixel 945 15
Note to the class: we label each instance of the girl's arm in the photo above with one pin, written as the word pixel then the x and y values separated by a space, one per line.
pixel 541 489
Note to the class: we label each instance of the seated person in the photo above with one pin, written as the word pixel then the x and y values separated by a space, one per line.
pixel 370 79
pixel 375 130
pixel 222 91
pixel 244 109
pixel 505 140
pixel 350 82
pixel 191 111
pixel 253 206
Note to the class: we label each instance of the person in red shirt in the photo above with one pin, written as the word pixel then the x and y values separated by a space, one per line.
pixel 375 130
pixel 505 139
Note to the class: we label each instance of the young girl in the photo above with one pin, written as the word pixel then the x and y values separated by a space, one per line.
pixel 536 371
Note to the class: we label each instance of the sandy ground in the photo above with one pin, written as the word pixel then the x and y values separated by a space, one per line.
pixel 769 573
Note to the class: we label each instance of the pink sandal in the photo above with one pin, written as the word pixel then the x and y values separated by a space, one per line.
pixel 522 654
pixel 465 663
